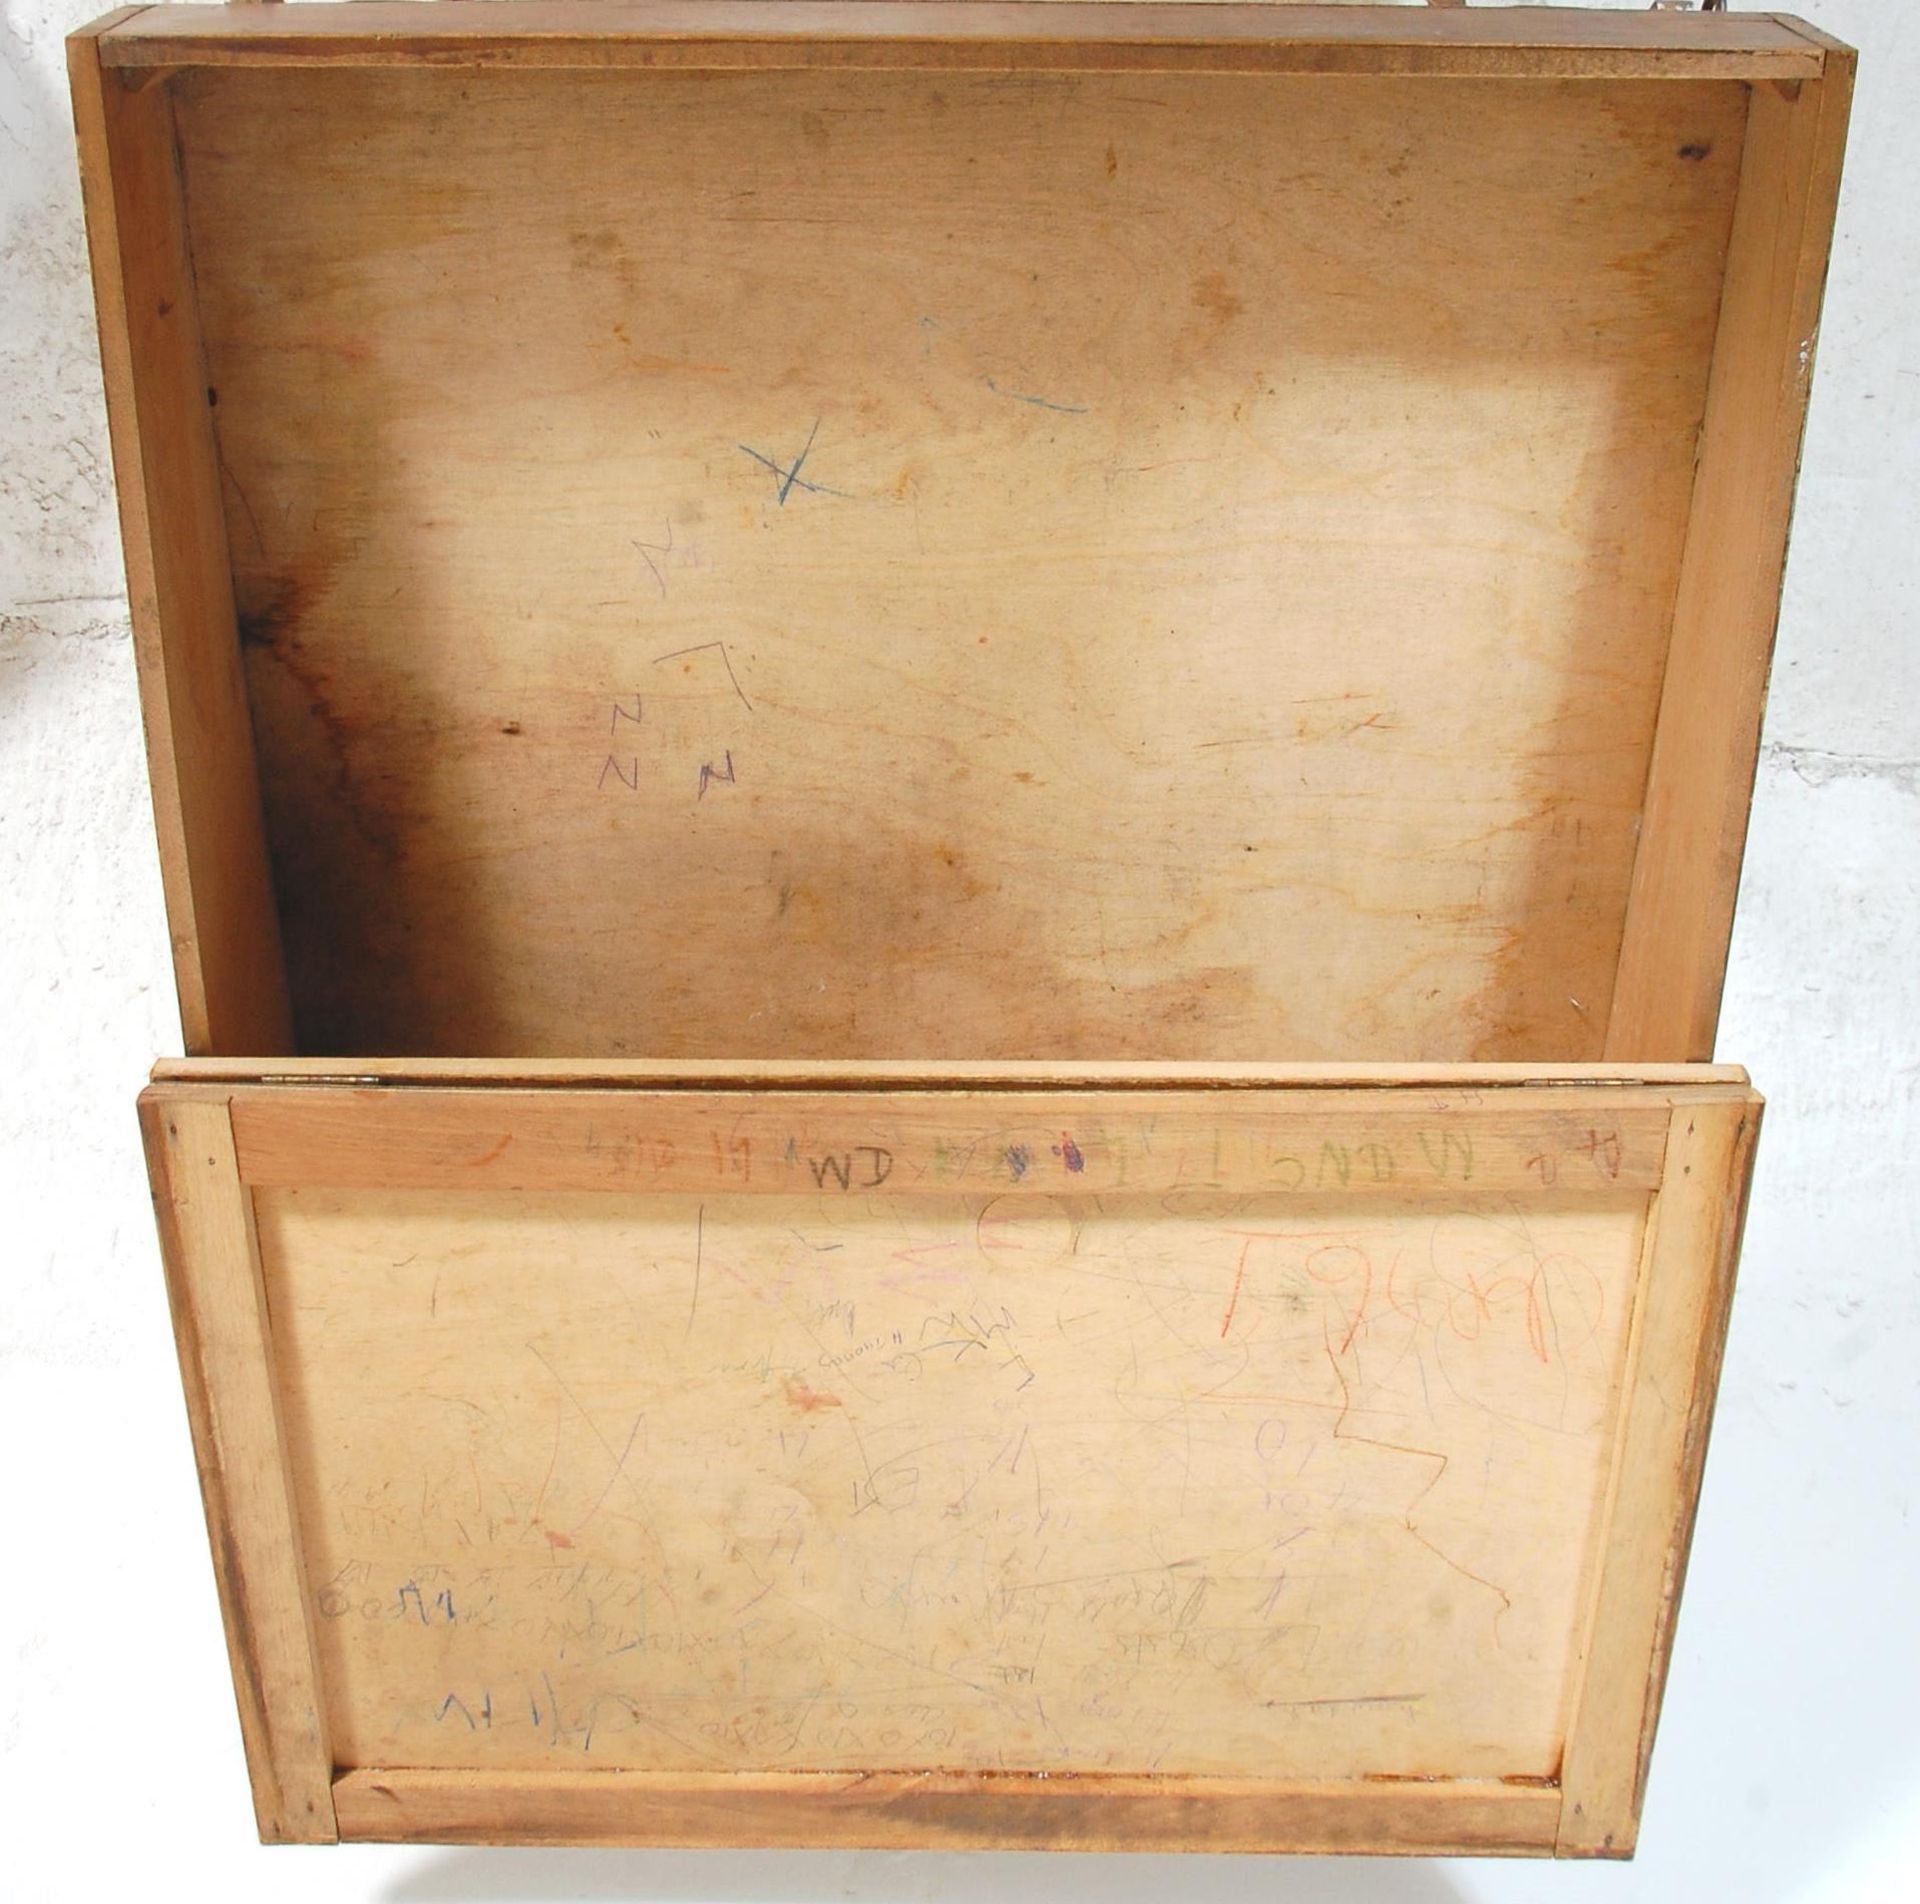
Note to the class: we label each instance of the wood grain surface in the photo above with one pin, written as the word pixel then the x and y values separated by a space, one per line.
pixel 1303 1467
pixel 925 566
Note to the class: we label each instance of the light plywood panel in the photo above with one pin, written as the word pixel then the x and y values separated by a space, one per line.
pixel 760 1482
pixel 948 565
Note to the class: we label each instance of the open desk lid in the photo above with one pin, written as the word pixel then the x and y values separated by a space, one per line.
pixel 713 530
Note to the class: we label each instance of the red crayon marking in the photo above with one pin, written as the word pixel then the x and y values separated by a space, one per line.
pixel 1239 1276
pixel 809 1400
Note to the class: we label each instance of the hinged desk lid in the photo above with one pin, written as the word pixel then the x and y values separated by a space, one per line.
pixel 761 530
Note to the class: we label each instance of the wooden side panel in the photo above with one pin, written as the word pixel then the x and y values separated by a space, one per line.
pixel 1686 877
pixel 1678 1333
pixel 818 602
pixel 206 798
pixel 227 1365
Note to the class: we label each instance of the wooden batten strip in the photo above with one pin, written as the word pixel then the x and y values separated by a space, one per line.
pixel 1679 1329
pixel 842 1074
pixel 1706 745
pixel 193 700
pixel 1447 1146
pixel 1517 42
pixel 220 1326
pixel 1415 1817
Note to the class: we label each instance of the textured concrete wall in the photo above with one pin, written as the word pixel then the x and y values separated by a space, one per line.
pixel 1789 1767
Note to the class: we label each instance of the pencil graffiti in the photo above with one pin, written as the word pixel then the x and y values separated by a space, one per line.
pixel 787 477
pixel 802 1469
pixel 702 648
pixel 648 550
pixel 1039 403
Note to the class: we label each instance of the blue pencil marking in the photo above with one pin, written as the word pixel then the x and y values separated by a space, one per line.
pixel 793 475
pixel 789 474
pixel 1039 403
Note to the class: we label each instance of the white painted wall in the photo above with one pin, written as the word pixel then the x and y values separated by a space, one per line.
pixel 1789 1761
